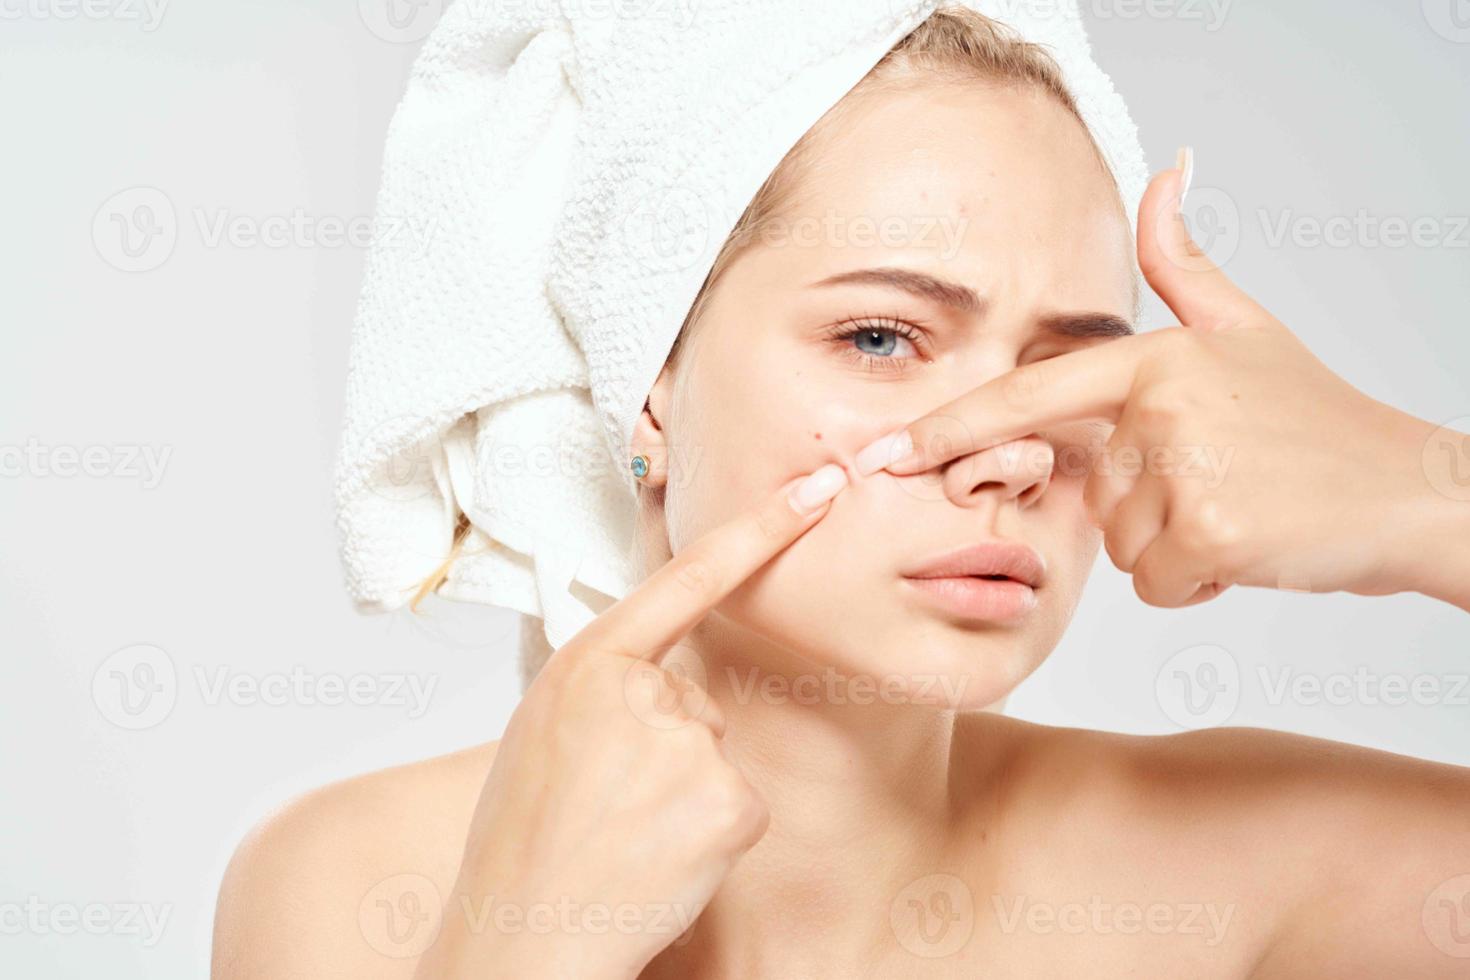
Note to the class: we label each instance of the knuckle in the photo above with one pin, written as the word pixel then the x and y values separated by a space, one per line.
pixel 754 818
pixel 1170 341
pixel 1214 539
pixel 1159 406
pixel 1147 589
pixel 729 803
pixel 1215 528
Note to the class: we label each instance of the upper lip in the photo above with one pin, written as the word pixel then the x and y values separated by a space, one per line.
pixel 1008 558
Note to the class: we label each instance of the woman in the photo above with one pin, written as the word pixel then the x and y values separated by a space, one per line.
pixel 828 799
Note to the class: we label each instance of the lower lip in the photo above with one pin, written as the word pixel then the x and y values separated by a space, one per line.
pixel 990 600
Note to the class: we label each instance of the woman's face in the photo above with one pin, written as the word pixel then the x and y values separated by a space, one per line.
pixel 805 355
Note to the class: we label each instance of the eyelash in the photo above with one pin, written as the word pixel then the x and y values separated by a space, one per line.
pixel 842 333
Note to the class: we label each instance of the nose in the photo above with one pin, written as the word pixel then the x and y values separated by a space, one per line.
pixel 1018 470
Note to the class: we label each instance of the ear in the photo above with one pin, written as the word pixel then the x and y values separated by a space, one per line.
pixel 649 438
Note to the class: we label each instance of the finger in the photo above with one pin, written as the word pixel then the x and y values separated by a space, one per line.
pixel 1136 523
pixel 1115 470
pixel 1170 574
pixel 1092 383
pixel 1205 593
pixel 672 601
pixel 1185 278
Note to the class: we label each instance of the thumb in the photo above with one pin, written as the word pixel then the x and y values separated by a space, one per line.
pixel 1201 296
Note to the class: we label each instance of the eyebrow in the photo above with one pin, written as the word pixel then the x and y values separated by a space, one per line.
pixel 966 300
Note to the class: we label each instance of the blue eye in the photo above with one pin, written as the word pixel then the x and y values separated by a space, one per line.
pixel 884 341
pixel 872 343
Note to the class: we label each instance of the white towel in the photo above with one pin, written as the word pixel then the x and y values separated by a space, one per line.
pixel 577 165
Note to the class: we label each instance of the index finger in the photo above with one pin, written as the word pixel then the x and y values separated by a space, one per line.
pixel 672 601
pixel 1093 383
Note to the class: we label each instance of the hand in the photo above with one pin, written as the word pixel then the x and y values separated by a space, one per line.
pixel 610 790
pixel 1237 457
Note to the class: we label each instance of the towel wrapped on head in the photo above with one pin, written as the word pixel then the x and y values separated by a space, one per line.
pixel 578 166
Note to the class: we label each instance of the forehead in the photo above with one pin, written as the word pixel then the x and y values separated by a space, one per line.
pixel 1001 185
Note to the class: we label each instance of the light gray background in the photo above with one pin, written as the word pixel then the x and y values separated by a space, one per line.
pixel 231 358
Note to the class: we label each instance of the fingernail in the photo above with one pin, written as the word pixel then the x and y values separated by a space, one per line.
pixel 818 488
pixel 1185 162
pixel 884 452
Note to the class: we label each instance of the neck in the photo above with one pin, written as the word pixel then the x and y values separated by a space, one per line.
pixel 861 803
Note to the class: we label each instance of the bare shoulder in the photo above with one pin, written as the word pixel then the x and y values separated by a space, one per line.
pixel 336 881
pixel 1249 795
pixel 1234 775
pixel 1322 851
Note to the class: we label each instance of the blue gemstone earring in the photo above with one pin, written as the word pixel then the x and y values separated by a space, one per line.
pixel 640 466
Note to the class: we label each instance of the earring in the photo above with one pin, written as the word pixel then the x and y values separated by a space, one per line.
pixel 640 466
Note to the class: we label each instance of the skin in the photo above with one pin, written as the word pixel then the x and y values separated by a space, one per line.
pixel 803 832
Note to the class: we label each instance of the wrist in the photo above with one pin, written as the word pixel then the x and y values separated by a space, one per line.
pixel 1431 532
pixel 487 934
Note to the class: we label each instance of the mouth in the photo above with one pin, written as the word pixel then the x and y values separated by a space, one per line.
pixel 995 581
pixel 990 561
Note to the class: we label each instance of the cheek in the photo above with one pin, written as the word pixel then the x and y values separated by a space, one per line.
pixel 745 433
